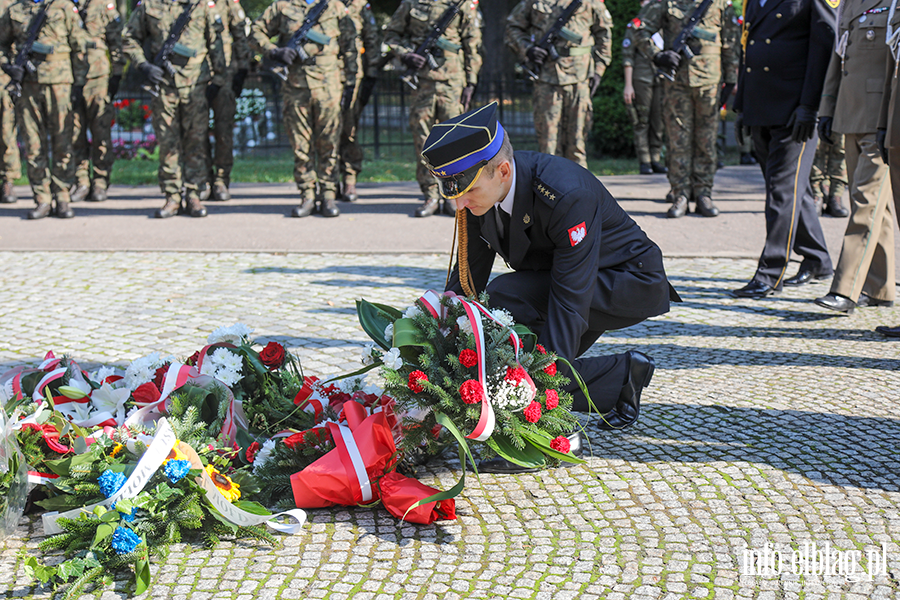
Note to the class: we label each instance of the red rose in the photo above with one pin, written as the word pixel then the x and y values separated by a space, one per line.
pixel 560 444
pixel 550 369
pixel 251 451
pixel 414 378
pixel 533 412
pixel 541 349
pixel 515 375
pixel 468 358
pixel 272 355
pixel 160 377
pixel 552 399
pixel 193 359
pixel 471 392
pixel 146 393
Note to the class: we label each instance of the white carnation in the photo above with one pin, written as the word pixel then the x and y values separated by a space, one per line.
pixel 412 312
pixel 236 334
pixel 142 370
pixel 465 326
pixel 389 332
pixel 366 357
pixel 102 373
pixel 263 455
pixel 503 316
pixel 392 360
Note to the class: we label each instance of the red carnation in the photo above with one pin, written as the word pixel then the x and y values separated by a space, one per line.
pixel 414 378
pixel 515 375
pixel 146 393
pixel 552 399
pixel 193 359
pixel 541 349
pixel 468 358
pixel 533 412
pixel 272 356
pixel 160 377
pixel 560 444
pixel 471 392
pixel 550 369
pixel 251 451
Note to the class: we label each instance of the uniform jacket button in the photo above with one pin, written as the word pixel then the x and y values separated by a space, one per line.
pixel 768 41
pixel 752 42
pixel 777 15
pixel 748 69
pixel 766 69
pixel 640 265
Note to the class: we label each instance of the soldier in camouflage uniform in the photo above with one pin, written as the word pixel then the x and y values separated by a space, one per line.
pixel 691 108
pixel 106 61
pixel 828 177
pixel 224 105
pixel 181 108
pixel 368 49
pixel 45 108
pixel 562 92
pixel 312 93
pixel 10 163
pixel 441 93
pixel 643 99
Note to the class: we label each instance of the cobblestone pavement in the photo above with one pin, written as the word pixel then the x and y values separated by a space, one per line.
pixel 767 422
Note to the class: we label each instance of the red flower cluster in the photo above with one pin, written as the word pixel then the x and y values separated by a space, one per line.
pixel 552 399
pixel 533 412
pixel 550 369
pixel 414 378
pixel 251 452
pixel 541 349
pixel 515 375
pixel 193 359
pixel 471 392
pixel 272 356
pixel 468 358
pixel 160 376
pixel 560 444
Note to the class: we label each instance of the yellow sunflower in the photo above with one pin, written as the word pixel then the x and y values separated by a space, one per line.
pixel 175 453
pixel 224 483
pixel 115 451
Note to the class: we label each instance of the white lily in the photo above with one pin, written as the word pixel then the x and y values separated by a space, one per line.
pixel 112 400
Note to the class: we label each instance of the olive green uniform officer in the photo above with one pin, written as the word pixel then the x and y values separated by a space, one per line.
pixel 10 162
pixel 563 89
pixel 45 108
pixel 312 93
pixel 643 99
pixel 851 103
pixel 106 62
pixel 443 92
pixel 181 106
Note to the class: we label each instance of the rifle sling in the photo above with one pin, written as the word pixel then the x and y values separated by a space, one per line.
pixel 179 25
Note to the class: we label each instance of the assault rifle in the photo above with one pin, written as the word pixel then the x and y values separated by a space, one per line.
pixel 23 56
pixel 434 45
pixel 303 35
pixel 548 41
pixel 171 46
pixel 689 32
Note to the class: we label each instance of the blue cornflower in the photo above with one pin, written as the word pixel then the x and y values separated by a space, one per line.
pixel 175 470
pixel 110 482
pixel 124 540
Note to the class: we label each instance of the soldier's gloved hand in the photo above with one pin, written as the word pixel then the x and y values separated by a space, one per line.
pixel 594 83
pixel 347 96
pixel 15 73
pixel 881 139
pixel 727 90
pixel 113 86
pixel 77 96
pixel 667 59
pixel 466 97
pixel 285 56
pixel 825 125
pixel 413 60
pixel 212 90
pixel 803 122
pixel 739 129
pixel 536 55
pixel 154 74
pixel 237 82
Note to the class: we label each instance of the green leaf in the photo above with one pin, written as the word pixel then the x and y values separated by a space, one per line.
pixel 163 491
pixel 247 482
pixel 526 336
pixel 451 427
pixel 112 516
pixel 142 576
pixel 374 318
pixel 63 466
pixel 407 334
pixel 104 530
pixel 591 406
pixel 528 457
pixel 252 507
pixel 253 358
pixel 36 570
pixel 542 443
pixel 74 567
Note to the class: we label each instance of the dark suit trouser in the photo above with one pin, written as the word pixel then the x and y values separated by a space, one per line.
pixel 526 294
pixel 791 219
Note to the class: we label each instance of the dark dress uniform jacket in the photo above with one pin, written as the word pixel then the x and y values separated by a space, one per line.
pixel 788 46
pixel 564 221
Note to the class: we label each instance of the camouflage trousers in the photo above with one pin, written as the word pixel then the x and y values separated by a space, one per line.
pixel 10 161
pixel 829 172
pixel 562 119
pixel 433 102
pixel 45 112
pixel 351 155
pixel 692 118
pixel 181 124
pixel 95 116
pixel 224 107
pixel 312 120
pixel 645 112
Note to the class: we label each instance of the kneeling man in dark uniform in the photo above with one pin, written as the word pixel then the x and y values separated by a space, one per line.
pixel 582 265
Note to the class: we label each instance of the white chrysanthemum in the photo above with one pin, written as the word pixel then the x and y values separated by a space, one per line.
pixel 231 361
pixel 412 312
pixel 503 316
pixel 102 373
pixel 465 326
pixel 389 332
pixel 208 368
pixel 142 370
pixel 228 376
pixel 392 360
pixel 263 455
pixel 235 334
pixel 366 357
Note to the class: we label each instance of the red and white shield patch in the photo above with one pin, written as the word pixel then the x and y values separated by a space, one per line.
pixel 577 233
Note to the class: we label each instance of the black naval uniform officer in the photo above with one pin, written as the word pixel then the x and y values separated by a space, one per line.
pixel 582 266
pixel 787 45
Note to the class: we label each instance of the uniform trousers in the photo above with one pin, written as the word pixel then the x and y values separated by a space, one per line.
pixel 645 112
pixel 10 161
pixel 312 119
pixel 692 118
pixel 867 257
pixel 351 154
pixel 562 119
pixel 791 219
pixel 181 124
pixel 433 102
pixel 45 112
pixel 96 115
pixel 224 107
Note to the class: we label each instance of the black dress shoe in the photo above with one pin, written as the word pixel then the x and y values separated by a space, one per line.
pixel 640 371
pixel 837 303
pixel 428 208
pixel 679 208
pixel 658 167
pixel 805 275
pixel 646 169
pixel 498 464
pixel 865 300
pixel 755 289
pixel 893 332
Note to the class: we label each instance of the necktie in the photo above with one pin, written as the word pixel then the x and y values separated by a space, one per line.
pixel 505 234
